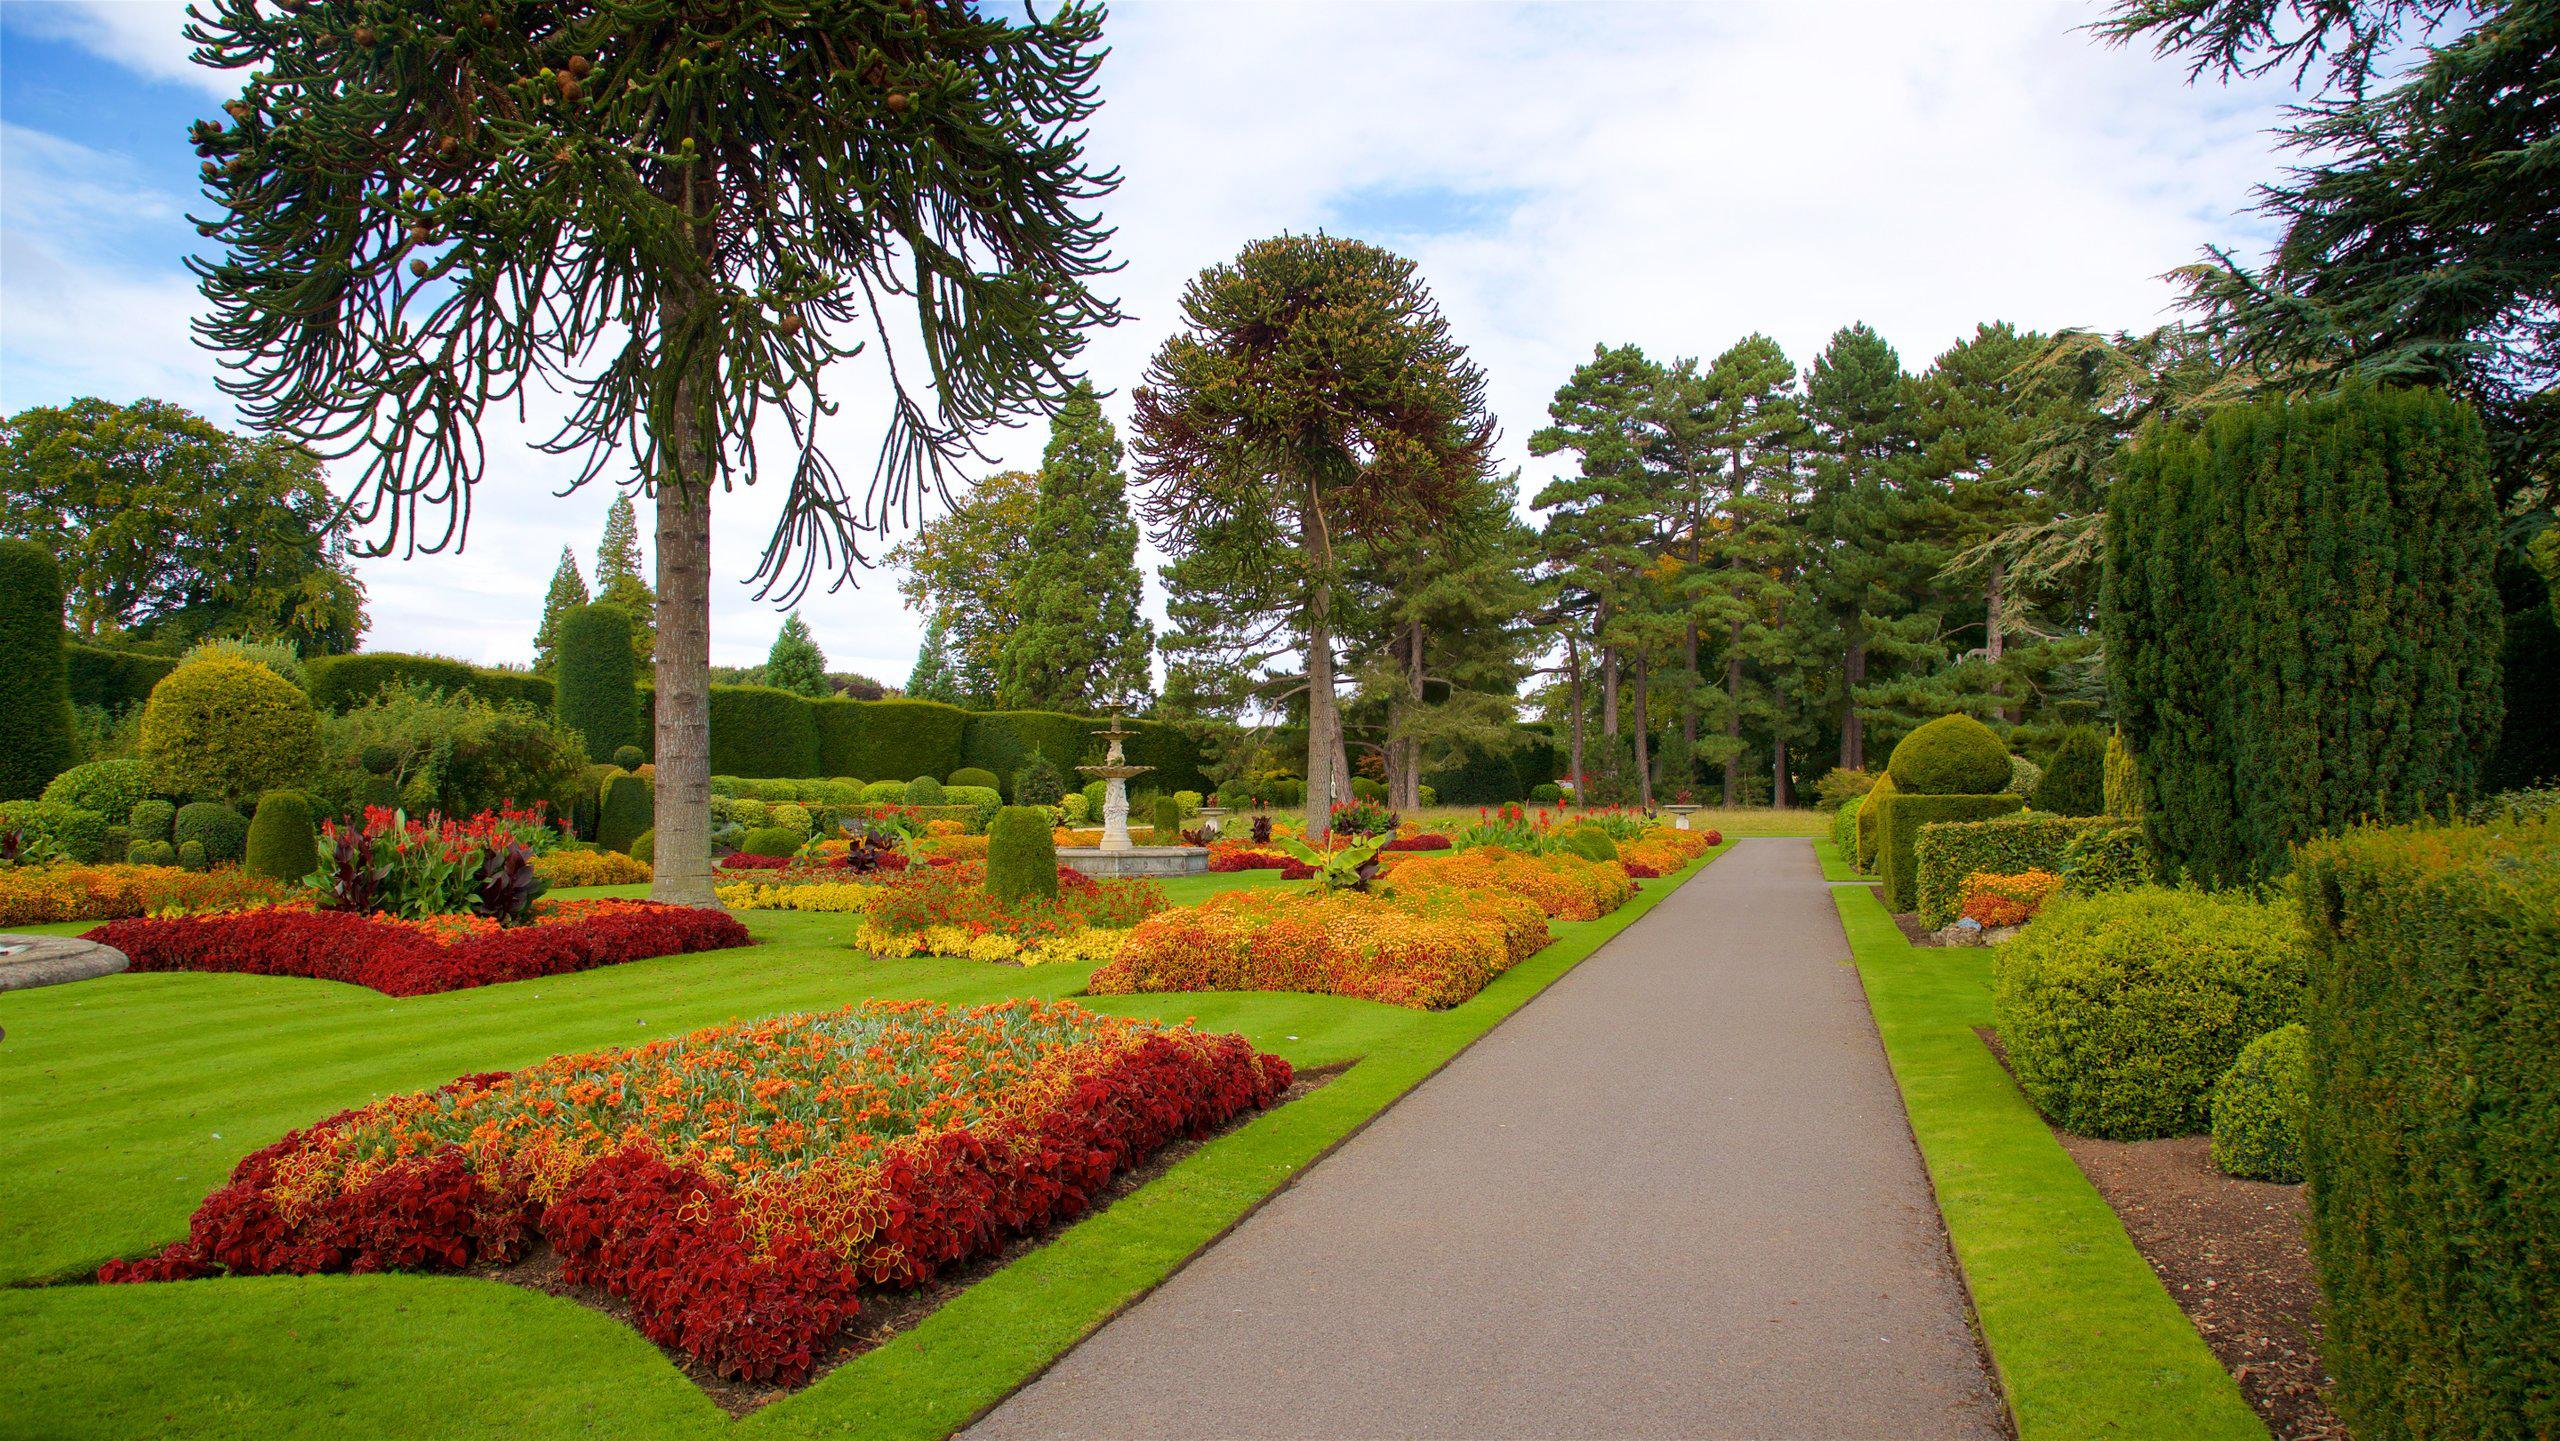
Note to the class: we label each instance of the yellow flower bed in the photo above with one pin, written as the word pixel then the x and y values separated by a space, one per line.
pixel 1093 943
pixel 1566 887
pixel 590 868
pixel 32 895
pixel 1426 949
pixel 827 896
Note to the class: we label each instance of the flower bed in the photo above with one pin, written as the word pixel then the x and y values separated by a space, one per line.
pixel 1427 950
pixel 405 958
pixel 590 868
pixel 1992 899
pixel 948 911
pixel 37 895
pixel 1660 852
pixel 1229 856
pixel 1565 886
pixel 1423 841
pixel 738 1184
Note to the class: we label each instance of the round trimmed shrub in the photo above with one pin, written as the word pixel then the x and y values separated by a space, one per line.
pixel 150 820
pixel 218 829
pixel 2260 1106
pixel 2075 784
pixel 1039 782
pixel 885 793
pixel 1591 843
pixel 1954 755
pixel 926 791
pixel 227 729
pixel 644 847
pixel 2120 1011
pixel 1546 792
pixel 283 842
pixel 111 788
pixel 769 841
pixel 36 737
pixel 629 806
pixel 793 818
pixel 1022 855
pixel 971 776
pixel 1072 809
pixel 596 681
pixel 1365 789
pixel 191 855
pixel 1166 816
pixel 152 853
pixel 630 758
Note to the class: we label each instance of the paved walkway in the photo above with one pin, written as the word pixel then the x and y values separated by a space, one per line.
pixel 1675 1196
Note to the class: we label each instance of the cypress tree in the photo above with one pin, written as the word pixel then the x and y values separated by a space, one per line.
pixel 35 700
pixel 568 590
pixel 596 693
pixel 1081 643
pixel 2302 628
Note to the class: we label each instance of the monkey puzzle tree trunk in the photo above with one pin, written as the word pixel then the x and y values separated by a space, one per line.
pixel 681 860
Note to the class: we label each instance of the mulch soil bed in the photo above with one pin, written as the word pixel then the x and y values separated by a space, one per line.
pixel 2233 1255
pixel 885 1313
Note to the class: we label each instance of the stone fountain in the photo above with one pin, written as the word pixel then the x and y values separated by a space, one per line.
pixel 1117 855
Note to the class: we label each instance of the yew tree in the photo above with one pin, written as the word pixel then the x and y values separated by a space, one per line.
pixel 1313 387
pixel 675 213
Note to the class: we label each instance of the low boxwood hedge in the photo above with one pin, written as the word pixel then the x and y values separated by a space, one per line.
pixel 1949 851
pixel 2119 1012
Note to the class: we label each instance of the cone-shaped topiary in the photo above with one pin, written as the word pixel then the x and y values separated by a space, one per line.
pixel 283 842
pixel 229 729
pixel 1954 755
pixel 1167 817
pixel 926 791
pixel 2259 1107
pixel 1022 855
pixel 1038 783
pixel 629 807
pixel 35 699
pixel 596 693
pixel 217 829
pixel 2076 783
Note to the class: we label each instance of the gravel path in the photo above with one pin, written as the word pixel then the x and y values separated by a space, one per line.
pixel 1675 1196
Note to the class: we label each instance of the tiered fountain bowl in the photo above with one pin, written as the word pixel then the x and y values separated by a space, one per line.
pixel 1117 855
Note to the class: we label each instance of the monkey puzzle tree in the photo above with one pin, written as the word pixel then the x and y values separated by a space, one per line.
pixel 678 211
pixel 1314 381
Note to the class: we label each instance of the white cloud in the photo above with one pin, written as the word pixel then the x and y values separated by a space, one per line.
pixel 1678 176
pixel 145 36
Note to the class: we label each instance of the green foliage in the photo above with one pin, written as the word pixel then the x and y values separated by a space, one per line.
pixel 1591 843
pixel 2301 624
pixel 885 793
pixel 229 729
pixel 1954 755
pixel 1900 817
pixel 794 818
pixel 1481 778
pixel 1840 786
pixel 622 577
pixel 586 798
pixel 220 830
pixel 35 698
pixel 1080 643
pixel 1022 855
pixel 2107 858
pixel 1870 831
pixel 1844 827
pixel 629 807
pixel 2074 784
pixel 282 840
pixel 276 655
pixel 423 749
pixel 1094 794
pixel 972 796
pixel 2122 794
pixel 1039 782
pixel 2433 1143
pixel 1544 792
pixel 568 592
pixel 111 788
pixel 1948 852
pixel 49 825
pixel 193 856
pixel 2259 1107
pixel 1005 741
pixel 890 738
pixel 771 841
pixel 760 731
pixel 926 791
pixel 795 663
pixel 2119 1012
pixel 596 689
pixel 644 846
pixel 112 679
pixel 154 853
pixel 973 776
pixel 629 758
pixel 150 820
pixel 1166 819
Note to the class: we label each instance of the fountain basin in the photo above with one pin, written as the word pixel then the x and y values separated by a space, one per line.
pixel 1149 861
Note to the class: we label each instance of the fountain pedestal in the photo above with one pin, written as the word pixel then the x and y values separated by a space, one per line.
pixel 1117 855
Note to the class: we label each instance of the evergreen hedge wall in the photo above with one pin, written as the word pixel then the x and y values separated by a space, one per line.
pixel 597 693
pixel 889 739
pixel 35 702
pixel 1002 741
pixel 1899 815
pixel 2301 622
pixel 114 679
pixel 340 683
pixel 2433 1140
pixel 759 731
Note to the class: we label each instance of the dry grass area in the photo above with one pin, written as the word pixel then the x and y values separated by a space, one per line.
pixel 1738 821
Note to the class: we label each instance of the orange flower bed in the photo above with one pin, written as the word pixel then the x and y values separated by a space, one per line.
pixel 34 895
pixel 1664 851
pixel 1566 887
pixel 1992 899
pixel 1426 951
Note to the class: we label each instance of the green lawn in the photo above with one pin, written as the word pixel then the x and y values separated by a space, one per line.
pixel 1835 866
pixel 2086 1341
pixel 124 1100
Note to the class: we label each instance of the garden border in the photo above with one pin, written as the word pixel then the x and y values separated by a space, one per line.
pixel 2085 1340
pixel 1007 1330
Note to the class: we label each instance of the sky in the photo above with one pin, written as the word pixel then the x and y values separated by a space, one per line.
pixel 1674 175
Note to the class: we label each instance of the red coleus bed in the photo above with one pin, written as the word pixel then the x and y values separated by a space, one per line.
pixel 737 1185
pixel 401 958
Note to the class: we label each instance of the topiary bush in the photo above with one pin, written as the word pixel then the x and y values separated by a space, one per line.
pixel 628 808
pixel 925 791
pixel 35 695
pixel 283 842
pixel 221 831
pixel 885 793
pixel 2259 1107
pixel 50 825
pixel 644 847
pixel 1954 755
pixel 793 817
pixel 150 820
pixel 1544 792
pixel 2119 1012
pixel 1869 814
pixel 111 788
pixel 1591 843
pixel 152 853
pixel 771 841
pixel 2106 858
pixel 629 758
pixel 595 692
pixel 1839 786
pixel 1094 793
pixel 2024 775
pixel 2075 784
pixel 191 854
pixel 1039 782
pixel 2121 789
pixel 1900 818
pixel 227 729
pixel 972 776
pixel 1947 852
pixel 1022 855
pixel 1166 817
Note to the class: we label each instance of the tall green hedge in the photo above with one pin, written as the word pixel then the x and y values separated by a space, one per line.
pixel 2301 623
pixel 1174 755
pixel 110 678
pixel 761 731
pixel 628 808
pixel 1022 855
pixel 342 682
pixel 1004 741
pixel 880 739
pixel 2433 1141
pixel 283 842
pixel 597 690
pixel 1898 817
pixel 1949 851
pixel 35 699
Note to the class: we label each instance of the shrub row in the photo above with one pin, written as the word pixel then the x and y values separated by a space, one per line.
pixel 1947 852
pixel 1899 817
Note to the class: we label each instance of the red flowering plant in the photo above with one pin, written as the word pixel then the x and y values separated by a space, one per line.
pixel 923 898
pixel 1362 818
pixel 737 1185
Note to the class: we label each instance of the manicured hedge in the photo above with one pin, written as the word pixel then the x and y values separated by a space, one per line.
pixel 1479 780
pixel 2119 1012
pixel 112 679
pixel 1005 741
pixel 1948 852
pixel 1868 815
pixel 1173 755
pixel 1844 828
pixel 761 731
pixel 35 700
pixel 628 807
pixel 885 738
pixel 1952 755
pixel 2433 1143
pixel 597 695
pixel 2259 1106
pixel 1899 815
pixel 222 831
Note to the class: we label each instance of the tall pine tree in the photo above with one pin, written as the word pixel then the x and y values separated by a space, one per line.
pixel 568 592
pixel 1079 643
pixel 795 663
pixel 622 577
